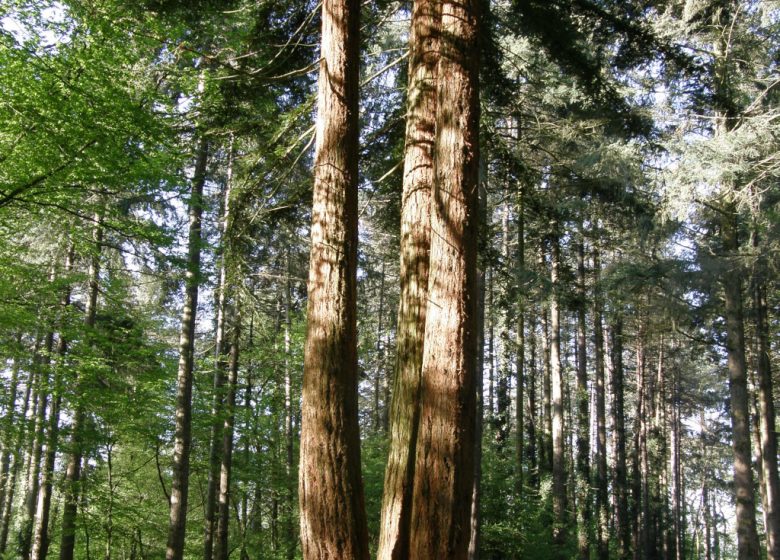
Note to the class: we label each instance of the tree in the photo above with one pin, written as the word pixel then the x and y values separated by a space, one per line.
pixel 333 522
pixel 444 454
pixel 419 175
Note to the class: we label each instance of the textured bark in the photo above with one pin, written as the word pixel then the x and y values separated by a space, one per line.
pixel 545 435
pixel 768 436
pixel 620 483
pixel 601 482
pixel 445 447
pixel 583 489
pixel 415 245
pixel 556 402
pixel 333 521
pixel 183 422
pixel 73 469
pixel 744 486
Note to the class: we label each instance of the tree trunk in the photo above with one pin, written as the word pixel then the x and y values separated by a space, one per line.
pixel 41 526
pixel 583 421
pixel 503 400
pixel 602 498
pixel 224 289
pixel 445 447
pixel 15 469
pixel 532 412
pixel 556 402
pixel 73 469
pixel 183 424
pixel 41 365
pixel 379 353
pixel 747 535
pixel 622 525
pixel 8 432
pixel 415 245
pixel 476 493
pixel 520 341
pixel 222 551
pixel 545 447
pixel 766 408
pixel 333 519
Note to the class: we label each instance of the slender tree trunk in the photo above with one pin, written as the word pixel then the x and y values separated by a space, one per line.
pixel 16 468
pixel 8 432
pixel 747 535
pixel 520 341
pixel 73 469
pixel 602 498
pixel 378 352
pixel 532 412
pixel 415 245
pixel 333 519
pixel 556 400
pixel 42 368
pixel 503 400
pixel 545 447
pixel 222 551
pixel 768 441
pixel 41 526
pixel 183 424
pixel 445 446
pixel 583 421
pixel 622 525
pixel 288 416
pixel 224 291
pixel 677 526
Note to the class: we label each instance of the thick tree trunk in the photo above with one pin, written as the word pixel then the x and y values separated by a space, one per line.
pixel 445 447
pixel 602 483
pixel 622 524
pixel 556 400
pixel 73 469
pixel 333 520
pixel 583 421
pixel 415 245
pixel 183 424
pixel 744 486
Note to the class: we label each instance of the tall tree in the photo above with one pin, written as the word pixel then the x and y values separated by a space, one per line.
pixel 415 245
pixel 445 447
pixel 333 520
pixel 183 423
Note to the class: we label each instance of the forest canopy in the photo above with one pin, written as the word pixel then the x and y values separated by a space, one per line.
pixel 400 280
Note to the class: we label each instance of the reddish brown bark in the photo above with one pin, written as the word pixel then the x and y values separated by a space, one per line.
pixel 415 246
pixel 445 446
pixel 333 522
